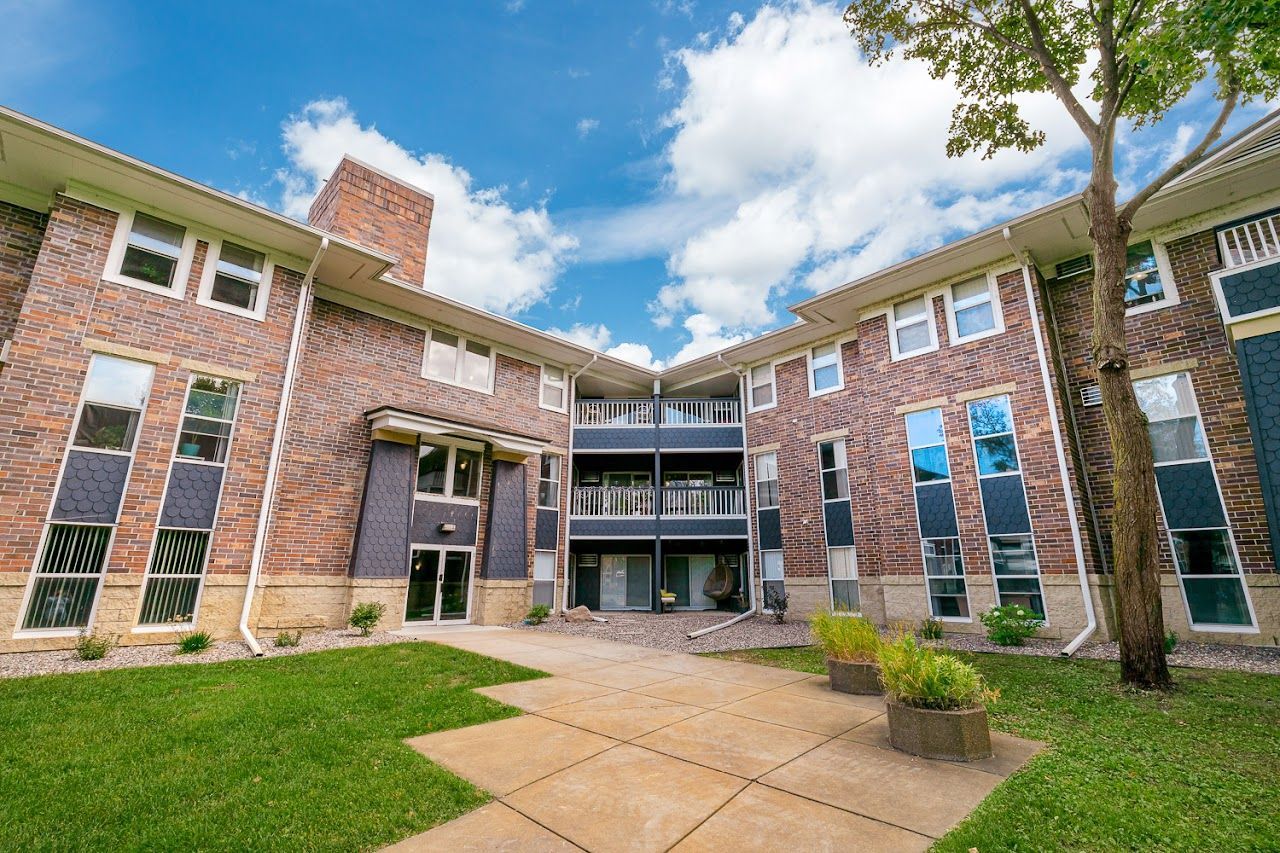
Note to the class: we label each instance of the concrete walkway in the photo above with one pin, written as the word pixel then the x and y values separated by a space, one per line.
pixel 632 748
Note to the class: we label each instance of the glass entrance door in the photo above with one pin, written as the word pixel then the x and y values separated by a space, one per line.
pixel 439 586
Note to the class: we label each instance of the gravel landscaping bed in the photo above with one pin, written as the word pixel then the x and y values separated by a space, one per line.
pixel 1204 655
pixel 667 631
pixel 18 664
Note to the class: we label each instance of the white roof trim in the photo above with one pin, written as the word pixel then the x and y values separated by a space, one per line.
pixel 391 420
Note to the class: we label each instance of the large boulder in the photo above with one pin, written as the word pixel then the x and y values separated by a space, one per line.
pixel 581 613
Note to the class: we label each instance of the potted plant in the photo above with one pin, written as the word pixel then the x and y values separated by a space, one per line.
pixel 936 705
pixel 189 448
pixel 852 645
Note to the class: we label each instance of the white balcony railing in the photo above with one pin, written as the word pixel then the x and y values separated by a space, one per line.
pixel 695 501
pixel 615 413
pixel 612 501
pixel 700 412
pixel 1251 241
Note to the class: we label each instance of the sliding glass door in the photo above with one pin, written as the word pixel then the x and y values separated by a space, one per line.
pixel 625 582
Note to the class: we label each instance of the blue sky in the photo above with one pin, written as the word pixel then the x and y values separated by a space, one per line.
pixel 655 178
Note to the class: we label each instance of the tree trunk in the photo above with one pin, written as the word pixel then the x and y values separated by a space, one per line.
pixel 1134 536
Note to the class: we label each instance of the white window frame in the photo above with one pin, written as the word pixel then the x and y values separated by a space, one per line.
pixel 997 312
pixel 776 479
pixel 1209 628
pixel 544 382
pixel 559 480
pixel 891 318
pixel 1166 279
pixel 831 579
pixel 84 398
pixel 551 553
pixel 463 340
pixel 843 452
pixel 839 365
pixel 182 416
pixel 924 558
pixel 781 578
pixel 205 294
pixel 772 383
pixel 453 446
pixel 120 242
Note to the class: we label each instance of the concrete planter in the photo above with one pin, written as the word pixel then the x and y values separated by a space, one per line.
pixel 949 735
pixel 853 677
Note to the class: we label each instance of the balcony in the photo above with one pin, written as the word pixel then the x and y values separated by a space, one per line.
pixel 614 511
pixel 1250 242
pixel 672 424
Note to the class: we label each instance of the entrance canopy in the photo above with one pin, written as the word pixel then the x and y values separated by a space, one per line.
pixel 392 424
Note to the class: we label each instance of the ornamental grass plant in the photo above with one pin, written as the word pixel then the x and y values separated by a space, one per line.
pixel 922 677
pixel 848 638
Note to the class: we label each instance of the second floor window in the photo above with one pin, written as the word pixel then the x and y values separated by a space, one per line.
pixel 448 471
pixel 762 387
pixel 824 368
pixel 912 332
pixel 1142 283
pixel 549 482
pixel 207 419
pixel 237 277
pixel 834 469
pixel 153 250
pixel 973 309
pixel 554 387
pixel 114 394
pixel 456 360
pixel 766 480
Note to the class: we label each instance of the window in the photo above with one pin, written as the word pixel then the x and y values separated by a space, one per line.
pixel 1206 557
pixel 153 252
pixel 549 482
pixel 842 567
pixel 173 577
pixel 912 332
pixel 555 391
pixel 114 394
pixel 944 578
pixel 456 360
pixel 449 471
pixel 766 480
pixel 834 470
pixel 824 369
pixel 762 387
pixel 974 309
pixel 1142 282
pixel 239 280
pixel 544 578
pixel 991 422
pixel 927 445
pixel 1013 555
pixel 207 419
pixel 67 578
pixel 771 576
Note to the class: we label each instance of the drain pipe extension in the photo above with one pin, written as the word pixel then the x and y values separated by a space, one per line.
pixel 572 382
pixel 746 499
pixel 277 448
pixel 1090 617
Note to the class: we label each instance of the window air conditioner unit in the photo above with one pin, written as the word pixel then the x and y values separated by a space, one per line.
pixel 588 561
pixel 1091 395
pixel 1075 266
pixel 589 477
pixel 729 477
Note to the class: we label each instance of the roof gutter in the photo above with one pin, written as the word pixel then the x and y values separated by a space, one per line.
pixel 567 474
pixel 277 447
pixel 746 498
pixel 1081 569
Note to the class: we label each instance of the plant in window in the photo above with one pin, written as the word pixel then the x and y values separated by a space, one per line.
pixel 777 602
pixel 366 615
pixel 1011 624
pixel 91 645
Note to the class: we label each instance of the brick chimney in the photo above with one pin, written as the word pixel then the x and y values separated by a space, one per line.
pixel 370 207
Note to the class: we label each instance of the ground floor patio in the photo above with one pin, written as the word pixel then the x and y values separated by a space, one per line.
pixel 630 747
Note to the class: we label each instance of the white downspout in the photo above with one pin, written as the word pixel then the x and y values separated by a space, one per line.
pixel 746 503
pixel 277 448
pixel 568 476
pixel 1063 472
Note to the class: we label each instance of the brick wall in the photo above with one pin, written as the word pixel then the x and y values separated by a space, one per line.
pixel 21 232
pixel 68 303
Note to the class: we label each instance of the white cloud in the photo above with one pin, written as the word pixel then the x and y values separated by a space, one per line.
pixel 483 250
pixel 597 336
pixel 586 126
pixel 802 167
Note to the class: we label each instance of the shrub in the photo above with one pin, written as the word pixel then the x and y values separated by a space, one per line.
pixel 846 638
pixel 537 614
pixel 91 645
pixel 926 678
pixel 194 642
pixel 288 639
pixel 931 629
pixel 1170 642
pixel 1010 624
pixel 366 615
pixel 777 602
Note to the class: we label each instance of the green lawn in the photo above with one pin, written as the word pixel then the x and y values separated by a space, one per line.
pixel 1197 769
pixel 301 752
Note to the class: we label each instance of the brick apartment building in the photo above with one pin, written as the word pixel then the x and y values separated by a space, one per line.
pixel 212 415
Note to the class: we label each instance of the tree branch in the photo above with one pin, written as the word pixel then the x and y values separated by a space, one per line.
pixel 1132 206
pixel 1056 81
